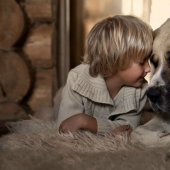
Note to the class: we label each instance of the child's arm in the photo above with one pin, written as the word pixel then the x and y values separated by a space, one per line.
pixel 82 121
pixel 71 102
pixel 79 121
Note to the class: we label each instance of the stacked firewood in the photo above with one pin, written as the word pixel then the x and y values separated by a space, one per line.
pixel 26 67
pixel 15 78
pixel 38 48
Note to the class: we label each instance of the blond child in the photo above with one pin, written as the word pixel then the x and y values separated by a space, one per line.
pixel 107 92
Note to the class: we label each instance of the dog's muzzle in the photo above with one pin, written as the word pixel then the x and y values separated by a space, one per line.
pixel 159 97
pixel 154 94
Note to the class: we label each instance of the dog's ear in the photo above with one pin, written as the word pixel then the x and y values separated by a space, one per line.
pixel 155 33
pixel 165 27
pixel 168 20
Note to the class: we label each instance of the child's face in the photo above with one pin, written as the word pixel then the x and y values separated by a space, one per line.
pixel 135 73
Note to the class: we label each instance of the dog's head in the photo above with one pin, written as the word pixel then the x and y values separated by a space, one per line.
pixel 159 88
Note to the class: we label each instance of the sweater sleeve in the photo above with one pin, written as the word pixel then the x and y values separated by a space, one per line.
pixel 106 126
pixel 131 118
pixel 71 102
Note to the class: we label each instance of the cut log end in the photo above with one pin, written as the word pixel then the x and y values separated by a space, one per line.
pixel 12 23
pixel 15 79
pixel 10 112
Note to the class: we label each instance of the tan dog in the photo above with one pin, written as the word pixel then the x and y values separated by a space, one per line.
pixel 157 131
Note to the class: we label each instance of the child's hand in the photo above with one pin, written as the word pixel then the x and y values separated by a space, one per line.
pixel 123 128
pixel 78 122
pixel 71 124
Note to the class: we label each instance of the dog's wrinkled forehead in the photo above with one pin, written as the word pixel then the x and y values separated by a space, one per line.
pixel 160 59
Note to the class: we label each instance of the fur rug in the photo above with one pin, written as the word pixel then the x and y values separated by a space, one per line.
pixel 37 145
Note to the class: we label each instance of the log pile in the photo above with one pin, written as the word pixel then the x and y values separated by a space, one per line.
pixel 12 23
pixel 15 79
pixel 26 65
pixel 38 48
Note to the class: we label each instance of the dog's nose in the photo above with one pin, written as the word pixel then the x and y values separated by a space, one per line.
pixel 154 93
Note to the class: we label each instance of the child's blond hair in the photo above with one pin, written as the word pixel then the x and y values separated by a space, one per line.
pixel 116 41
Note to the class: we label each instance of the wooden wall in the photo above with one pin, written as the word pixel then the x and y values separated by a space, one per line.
pixel 38 48
pixel 28 76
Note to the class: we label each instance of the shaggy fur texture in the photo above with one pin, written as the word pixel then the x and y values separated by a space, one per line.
pixel 37 145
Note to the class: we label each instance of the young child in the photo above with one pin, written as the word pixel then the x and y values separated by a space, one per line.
pixel 107 92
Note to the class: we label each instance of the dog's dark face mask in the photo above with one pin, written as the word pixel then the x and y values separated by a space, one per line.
pixel 159 97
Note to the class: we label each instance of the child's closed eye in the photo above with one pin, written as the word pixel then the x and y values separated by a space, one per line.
pixel 141 63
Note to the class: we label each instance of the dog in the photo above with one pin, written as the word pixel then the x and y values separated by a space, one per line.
pixel 156 132
pixel 159 88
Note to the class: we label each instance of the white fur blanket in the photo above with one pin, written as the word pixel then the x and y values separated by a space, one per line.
pixel 37 145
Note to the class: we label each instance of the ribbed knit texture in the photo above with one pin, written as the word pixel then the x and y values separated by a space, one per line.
pixel 93 88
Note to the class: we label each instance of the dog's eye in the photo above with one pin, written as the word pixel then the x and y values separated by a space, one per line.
pixel 168 58
pixel 153 61
pixel 168 55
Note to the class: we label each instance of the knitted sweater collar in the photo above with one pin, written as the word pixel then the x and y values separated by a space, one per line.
pixel 94 89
